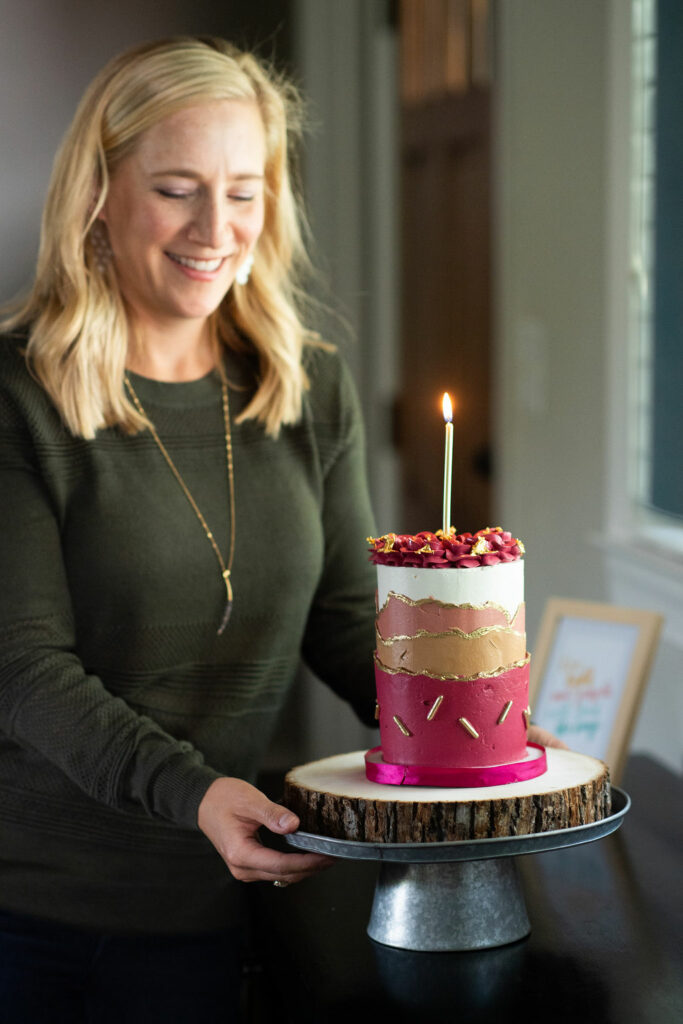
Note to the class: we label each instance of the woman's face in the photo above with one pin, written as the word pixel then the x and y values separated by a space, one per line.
pixel 185 209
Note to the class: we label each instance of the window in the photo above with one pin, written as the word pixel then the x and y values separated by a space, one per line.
pixel 656 296
pixel 642 546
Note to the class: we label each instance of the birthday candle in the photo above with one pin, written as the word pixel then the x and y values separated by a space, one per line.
pixel 447 463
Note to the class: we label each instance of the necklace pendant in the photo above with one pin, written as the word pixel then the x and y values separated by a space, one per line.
pixel 226 618
pixel 228 606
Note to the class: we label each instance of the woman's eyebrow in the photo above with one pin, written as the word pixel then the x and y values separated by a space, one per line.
pixel 181 172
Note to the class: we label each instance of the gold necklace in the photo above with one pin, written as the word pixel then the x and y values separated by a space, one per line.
pixel 225 569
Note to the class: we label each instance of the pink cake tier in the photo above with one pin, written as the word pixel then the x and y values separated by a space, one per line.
pixel 451 664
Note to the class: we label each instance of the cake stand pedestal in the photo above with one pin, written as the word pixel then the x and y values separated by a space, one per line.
pixel 456 896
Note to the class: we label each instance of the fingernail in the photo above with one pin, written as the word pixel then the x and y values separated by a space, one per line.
pixel 286 821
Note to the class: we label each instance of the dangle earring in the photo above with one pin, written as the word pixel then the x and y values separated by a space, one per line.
pixel 242 275
pixel 100 245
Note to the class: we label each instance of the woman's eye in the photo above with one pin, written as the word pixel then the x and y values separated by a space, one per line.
pixel 233 197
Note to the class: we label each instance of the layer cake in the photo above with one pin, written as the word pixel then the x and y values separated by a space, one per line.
pixel 451 665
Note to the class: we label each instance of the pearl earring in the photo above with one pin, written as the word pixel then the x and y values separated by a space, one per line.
pixel 242 275
pixel 100 245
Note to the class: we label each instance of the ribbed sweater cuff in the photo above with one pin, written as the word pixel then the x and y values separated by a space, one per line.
pixel 178 790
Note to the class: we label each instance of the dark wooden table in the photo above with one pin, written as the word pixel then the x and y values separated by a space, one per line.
pixel 605 945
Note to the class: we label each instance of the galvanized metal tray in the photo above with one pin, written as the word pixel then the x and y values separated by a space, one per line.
pixel 476 849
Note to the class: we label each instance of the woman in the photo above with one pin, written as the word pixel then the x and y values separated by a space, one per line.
pixel 183 514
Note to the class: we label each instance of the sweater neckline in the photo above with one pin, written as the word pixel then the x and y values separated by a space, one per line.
pixel 176 393
pixel 202 391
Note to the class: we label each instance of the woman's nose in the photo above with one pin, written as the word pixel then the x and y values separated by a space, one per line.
pixel 211 224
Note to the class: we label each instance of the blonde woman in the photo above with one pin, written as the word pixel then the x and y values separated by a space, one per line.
pixel 182 515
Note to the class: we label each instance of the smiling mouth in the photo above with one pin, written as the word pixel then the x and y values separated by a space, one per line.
pixel 208 266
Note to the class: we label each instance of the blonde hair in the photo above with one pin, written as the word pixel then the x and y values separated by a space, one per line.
pixel 78 334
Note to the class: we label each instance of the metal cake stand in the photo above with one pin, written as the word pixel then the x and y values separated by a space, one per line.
pixel 436 897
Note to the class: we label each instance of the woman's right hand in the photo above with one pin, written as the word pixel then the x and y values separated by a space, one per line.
pixel 230 815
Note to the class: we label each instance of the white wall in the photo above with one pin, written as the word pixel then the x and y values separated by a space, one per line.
pixel 550 238
pixel 346 55
pixel 562 203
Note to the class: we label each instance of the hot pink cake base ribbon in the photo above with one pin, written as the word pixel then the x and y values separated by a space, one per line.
pixel 378 770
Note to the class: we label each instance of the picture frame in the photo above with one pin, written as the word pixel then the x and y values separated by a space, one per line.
pixel 588 675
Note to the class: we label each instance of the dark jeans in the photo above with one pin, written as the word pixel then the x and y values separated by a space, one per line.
pixel 55 974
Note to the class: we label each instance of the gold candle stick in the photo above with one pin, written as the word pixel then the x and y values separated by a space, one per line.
pixel 447 463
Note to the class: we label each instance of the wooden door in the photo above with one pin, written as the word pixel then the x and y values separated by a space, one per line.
pixel 446 259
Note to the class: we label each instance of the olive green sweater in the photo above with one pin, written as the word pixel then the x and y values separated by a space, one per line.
pixel 119 703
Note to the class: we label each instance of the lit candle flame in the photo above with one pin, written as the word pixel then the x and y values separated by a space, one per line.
pixel 447 408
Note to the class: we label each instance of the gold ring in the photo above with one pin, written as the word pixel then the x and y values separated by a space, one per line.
pixel 280 885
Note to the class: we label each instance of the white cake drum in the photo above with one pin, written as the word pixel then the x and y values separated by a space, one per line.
pixel 502 584
pixel 334 798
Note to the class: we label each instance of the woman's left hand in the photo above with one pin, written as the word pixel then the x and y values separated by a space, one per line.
pixel 545 738
pixel 231 813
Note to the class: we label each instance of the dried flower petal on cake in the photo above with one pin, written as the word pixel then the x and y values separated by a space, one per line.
pixel 441 550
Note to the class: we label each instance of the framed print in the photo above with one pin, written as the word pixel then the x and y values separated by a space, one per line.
pixel 588 675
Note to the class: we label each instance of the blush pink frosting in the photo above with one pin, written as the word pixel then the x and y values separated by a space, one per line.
pixel 400 619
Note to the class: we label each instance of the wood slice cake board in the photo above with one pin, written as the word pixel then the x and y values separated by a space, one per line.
pixel 334 798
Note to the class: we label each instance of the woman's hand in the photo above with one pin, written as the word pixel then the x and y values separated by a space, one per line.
pixel 230 815
pixel 545 738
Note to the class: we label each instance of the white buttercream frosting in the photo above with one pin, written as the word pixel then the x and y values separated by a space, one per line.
pixel 501 584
